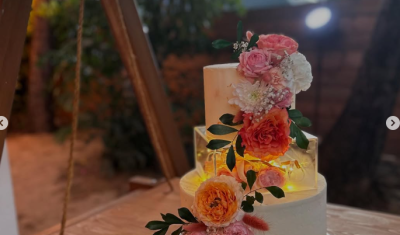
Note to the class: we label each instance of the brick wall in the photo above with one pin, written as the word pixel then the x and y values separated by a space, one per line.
pixel 353 21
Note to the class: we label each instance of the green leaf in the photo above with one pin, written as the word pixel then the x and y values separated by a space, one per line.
pixel 251 178
pixel 250 199
pixel 162 231
pixel 217 144
pixel 276 191
pixel 303 122
pixel 301 139
pixel 244 185
pixel 253 41
pixel 185 214
pixel 259 197
pixel 155 225
pixel 247 207
pixel 231 159
pixel 221 43
pixel 221 129
pixel 294 113
pixel 177 232
pixel 239 147
pixel 172 219
pixel 239 31
pixel 227 119
pixel 292 130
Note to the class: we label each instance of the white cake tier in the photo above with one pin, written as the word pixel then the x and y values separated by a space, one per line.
pixel 302 213
pixel 218 90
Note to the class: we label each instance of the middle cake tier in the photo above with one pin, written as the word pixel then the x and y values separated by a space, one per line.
pixel 295 171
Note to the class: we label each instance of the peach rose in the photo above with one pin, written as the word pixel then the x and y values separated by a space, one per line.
pixel 254 64
pixel 277 45
pixel 224 170
pixel 269 136
pixel 271 176
pixel 217 201
pixel 275 78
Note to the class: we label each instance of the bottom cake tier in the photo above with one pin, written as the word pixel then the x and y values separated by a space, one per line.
pixel 302 213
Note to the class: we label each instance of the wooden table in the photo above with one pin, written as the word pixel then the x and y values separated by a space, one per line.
pixel 128 216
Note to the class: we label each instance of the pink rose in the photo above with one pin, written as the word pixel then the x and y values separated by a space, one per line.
pixel 271 176
pixel 277 45
pixel 249 34
pixel 237 228
pixel 275 78
pixel 254 63
pixel 284 98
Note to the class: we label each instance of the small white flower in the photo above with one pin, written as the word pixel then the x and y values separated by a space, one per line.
pixel 297 70
pixel 257 98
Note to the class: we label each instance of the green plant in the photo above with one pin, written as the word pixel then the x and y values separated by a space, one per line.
pixel 107 100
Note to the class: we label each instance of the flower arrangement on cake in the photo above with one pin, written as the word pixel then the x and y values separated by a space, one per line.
pixel 219 208
pixel 272 71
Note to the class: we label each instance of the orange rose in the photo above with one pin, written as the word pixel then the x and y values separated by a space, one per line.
pixel 268 138
pixel 217 201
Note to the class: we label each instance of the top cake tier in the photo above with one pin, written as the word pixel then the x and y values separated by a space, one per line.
pixel 218 80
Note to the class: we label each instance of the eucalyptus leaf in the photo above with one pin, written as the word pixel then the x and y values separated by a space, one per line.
pixel 177 232
pixel 155 225
pixel 221 43
pixel 239 147
pixel 259 197
pixel 239 31
pixel 244 185
pixel 185 214
pixel 217 144
pixel 227 119
pixel 231 159
pixel 218 129
pixel 172 219
pixel 294 113
pixel 247 207
pixel 276 191
pixel 254 39
pixel 251 178
pixel 162 231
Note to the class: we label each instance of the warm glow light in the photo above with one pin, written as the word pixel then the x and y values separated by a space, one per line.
pixel 290 187
pixel 318 17
pixel 291 169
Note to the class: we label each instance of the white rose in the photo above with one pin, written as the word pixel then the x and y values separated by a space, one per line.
pixel 297 70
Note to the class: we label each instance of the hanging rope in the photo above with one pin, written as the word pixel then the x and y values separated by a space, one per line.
pixel 75 113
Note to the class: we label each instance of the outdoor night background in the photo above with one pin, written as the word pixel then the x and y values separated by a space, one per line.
pixel 353 56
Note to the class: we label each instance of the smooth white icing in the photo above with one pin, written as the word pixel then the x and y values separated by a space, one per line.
pixel 218 80
pixel 302 213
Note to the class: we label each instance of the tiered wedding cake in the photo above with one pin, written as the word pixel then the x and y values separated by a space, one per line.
pixel 256 170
